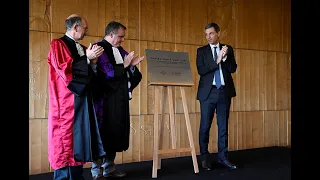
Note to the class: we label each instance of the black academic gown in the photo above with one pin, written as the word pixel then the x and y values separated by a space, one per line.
pixel 112 103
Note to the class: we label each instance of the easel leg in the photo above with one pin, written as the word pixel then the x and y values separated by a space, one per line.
pixel 162 123
pixel 172 121
pixel 186 114
pixel 156 134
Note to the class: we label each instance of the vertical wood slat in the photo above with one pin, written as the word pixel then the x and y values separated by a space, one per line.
pixel 38 76
pixel 38 146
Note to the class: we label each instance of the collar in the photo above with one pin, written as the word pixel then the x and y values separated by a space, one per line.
pixel 69 36
pixel 212 46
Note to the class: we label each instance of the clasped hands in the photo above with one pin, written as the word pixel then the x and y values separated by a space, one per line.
pixel 93 52
pixel 223 52
pixel 131 59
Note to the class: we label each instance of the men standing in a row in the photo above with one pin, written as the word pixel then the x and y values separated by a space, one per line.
pixel 215 64
pixel 73 136
pixel 118 75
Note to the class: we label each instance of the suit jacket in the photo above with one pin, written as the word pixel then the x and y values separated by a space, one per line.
pixel 206 67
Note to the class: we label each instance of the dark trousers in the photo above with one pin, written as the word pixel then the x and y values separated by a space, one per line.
pixel 218 101
pixel 69 173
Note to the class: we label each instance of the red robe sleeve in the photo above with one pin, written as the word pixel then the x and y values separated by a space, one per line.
pixel 61 60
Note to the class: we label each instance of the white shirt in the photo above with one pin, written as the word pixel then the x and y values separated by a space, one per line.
pixel 79 48
pixel 223 59
pixel 117 56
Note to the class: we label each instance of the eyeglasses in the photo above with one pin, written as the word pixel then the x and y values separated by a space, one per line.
pixel 85 27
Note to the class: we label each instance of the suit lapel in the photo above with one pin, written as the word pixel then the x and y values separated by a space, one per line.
pixel 220 46
pixel 208 53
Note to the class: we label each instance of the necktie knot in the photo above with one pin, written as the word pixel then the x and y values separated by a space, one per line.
pixel 215 55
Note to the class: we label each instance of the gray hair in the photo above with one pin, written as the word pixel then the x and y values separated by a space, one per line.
pixel 71 21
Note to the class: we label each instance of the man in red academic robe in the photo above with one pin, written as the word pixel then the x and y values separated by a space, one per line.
pixel 73 136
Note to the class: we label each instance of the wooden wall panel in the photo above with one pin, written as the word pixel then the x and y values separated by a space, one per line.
pixel 38 146
pixel 286 27
pixel 157 20
pixel 259 32
pixel 263 80
pixel 289 128
pixel 146 137
pixel 124 11
pixel 224 14
pixel 257 128
pixel 283 128
pixel 271 80
pixel 233 131
pixel 38 74
pixel 190 25
pixel 145 90
pixel 271 130
pixel 263 25
pixel 39 15
pixel 282 83
pixel 133 153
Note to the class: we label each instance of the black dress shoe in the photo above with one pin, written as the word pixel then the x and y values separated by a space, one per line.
pixel 227 164
pixel 116 174
pixel 206 165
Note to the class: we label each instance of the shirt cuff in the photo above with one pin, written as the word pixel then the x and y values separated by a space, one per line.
pixel 88 60
pixel 132 69
pixel 224 59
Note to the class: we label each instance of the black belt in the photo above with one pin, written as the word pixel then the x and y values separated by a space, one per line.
pixel 221 87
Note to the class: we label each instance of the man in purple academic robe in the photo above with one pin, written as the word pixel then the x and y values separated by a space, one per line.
pixel 117 75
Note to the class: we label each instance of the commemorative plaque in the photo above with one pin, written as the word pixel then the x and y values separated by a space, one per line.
pixel 168 68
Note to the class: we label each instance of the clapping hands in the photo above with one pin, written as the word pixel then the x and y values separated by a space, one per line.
pixel 93 52
pixel 223 52
pixel 131 59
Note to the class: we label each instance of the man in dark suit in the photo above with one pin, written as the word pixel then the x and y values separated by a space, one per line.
pixel 215 63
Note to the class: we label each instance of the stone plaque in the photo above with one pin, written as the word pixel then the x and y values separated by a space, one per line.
pixel 168 68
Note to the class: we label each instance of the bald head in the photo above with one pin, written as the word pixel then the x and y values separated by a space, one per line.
pixel 76 26
pixel 74 19
pixel 73 15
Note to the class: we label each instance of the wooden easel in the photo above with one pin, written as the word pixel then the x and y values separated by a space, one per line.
pixel 156 150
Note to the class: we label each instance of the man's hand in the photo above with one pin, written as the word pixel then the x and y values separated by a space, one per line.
pixel 127 59
pixel 222 53
pixel 136 60
pixel 224 50
pixel 93 52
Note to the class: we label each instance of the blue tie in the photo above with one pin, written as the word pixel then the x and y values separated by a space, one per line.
pixel 217 72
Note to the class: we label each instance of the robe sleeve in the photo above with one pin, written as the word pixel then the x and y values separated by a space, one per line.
pixel 61 60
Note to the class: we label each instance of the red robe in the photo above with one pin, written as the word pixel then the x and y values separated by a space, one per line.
pixel 71 127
